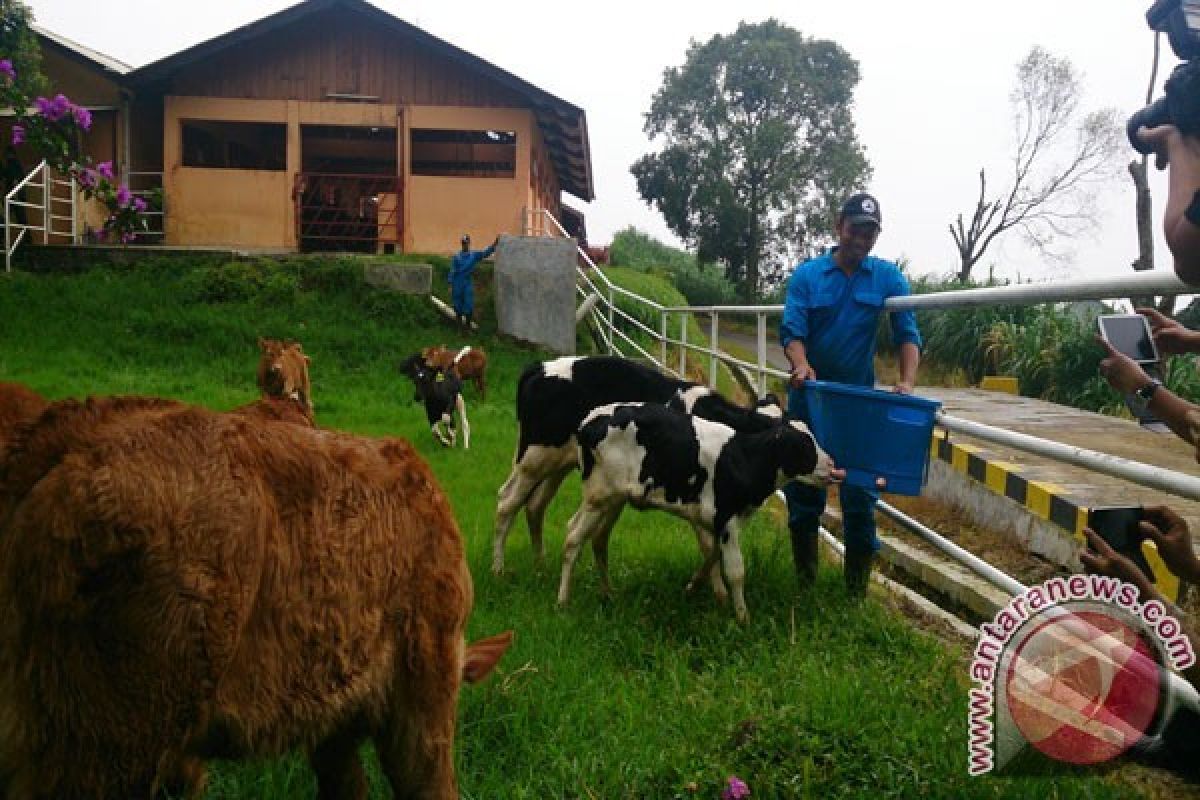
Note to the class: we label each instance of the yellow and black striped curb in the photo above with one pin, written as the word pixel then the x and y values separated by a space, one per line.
pixel 1044 499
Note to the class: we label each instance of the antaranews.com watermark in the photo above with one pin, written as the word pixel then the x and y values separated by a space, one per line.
pixel 1074 667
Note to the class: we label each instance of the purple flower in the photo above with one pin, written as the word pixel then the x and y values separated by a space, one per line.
pixel 139 205
pixel 105 169
pixel 83 117
pixel 736 790
pixel 6 69
pixel 86 178
pixel 55 109
pixel 127 237
pixel 18 134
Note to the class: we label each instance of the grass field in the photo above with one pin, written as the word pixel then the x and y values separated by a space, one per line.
pixel 651 694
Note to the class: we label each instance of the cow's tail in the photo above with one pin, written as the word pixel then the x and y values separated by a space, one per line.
pixel 482 656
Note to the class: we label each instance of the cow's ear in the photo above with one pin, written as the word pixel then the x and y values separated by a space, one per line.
pixel 482 656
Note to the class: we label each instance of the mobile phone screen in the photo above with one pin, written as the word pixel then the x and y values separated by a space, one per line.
pixel 1129 334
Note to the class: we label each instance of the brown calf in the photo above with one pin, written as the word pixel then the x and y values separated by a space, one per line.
pixel 18 404
pixel 178 585
pixel 277 409
pixel 283 371
pixel 469 363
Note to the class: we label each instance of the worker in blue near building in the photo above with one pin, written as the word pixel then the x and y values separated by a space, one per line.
pixel 462 288
pixel 831 314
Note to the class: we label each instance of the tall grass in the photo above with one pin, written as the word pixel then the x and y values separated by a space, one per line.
pixel 651 694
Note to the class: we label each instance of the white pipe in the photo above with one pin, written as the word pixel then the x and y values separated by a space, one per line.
pixel 1134 471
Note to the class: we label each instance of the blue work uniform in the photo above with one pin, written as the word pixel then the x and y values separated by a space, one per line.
pixel 462 267
pixel 836 317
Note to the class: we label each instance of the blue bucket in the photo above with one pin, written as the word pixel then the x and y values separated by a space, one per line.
pixel 873 434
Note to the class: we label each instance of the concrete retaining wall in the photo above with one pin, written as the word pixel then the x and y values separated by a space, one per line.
pixel 535 291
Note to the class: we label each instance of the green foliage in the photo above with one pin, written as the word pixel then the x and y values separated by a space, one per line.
pixel 759 148
pixel 19 44
pixel 701 284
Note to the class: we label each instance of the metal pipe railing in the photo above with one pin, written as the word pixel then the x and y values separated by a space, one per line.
pixel 1164 480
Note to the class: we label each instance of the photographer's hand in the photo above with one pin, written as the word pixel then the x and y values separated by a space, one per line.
pixel 1171 337
pixel 1101 559
pixel 1121 371
pixel 1171 536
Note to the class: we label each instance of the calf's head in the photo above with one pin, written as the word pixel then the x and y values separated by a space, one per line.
pixel 801 458
pixel 283 371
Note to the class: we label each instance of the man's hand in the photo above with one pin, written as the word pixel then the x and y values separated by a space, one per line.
pixel 800 373
pixel 1121 371
pixel 1171 337
pixel 1170 534
pixel 1101 559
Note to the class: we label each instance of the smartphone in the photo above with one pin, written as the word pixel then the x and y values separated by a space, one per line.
pixel 1119 527
pixel 1129 334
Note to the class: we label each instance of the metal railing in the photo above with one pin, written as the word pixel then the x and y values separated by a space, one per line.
pixel 38 196
pixel 149 187
pixel 615 328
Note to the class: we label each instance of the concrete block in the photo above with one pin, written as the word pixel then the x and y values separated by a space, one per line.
pixel 403 278
pixel 535 291
pixel 1000 383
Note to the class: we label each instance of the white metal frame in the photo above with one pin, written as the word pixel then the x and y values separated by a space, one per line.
pixel 50 207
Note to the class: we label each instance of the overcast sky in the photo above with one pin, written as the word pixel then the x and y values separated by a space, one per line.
pixel 932 105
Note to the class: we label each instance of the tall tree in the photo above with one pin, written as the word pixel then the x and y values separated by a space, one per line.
pixel 19 44
pixel 759 147
pixel 1060 154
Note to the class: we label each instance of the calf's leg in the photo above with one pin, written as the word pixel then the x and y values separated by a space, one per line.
pixel 513 494
pixel 535 509
pixel 462 417
pixel 600 547
pixel 711 554
pixel 339 771
pixel 735 570
pixel 583 525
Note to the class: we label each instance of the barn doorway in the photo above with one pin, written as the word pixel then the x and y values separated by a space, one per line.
pixel 348 190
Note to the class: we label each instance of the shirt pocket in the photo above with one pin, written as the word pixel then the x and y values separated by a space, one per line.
pixel 872 300
pixel 821 310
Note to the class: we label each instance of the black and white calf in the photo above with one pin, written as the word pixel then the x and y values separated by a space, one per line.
pixel 441 392
pixel 650 456
pixel 553 397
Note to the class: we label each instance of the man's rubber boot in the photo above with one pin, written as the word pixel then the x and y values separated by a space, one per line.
pixel 858 572
pixel 804 554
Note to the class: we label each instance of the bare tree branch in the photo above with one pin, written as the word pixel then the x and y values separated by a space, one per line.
pixel 1057 158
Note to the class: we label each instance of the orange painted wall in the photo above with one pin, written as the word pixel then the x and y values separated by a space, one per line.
pixel 440 210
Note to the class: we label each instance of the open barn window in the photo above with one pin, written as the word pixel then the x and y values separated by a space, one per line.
pixel 234 145
pixel 464 154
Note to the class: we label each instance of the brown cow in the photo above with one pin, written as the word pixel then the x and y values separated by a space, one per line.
pixel 178 585
pixel 18 404
pixel 277 409
pixel 283 371
pixel 469 363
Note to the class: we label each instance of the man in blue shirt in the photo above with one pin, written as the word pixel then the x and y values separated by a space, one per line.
pixel 462 290
pixel 830 317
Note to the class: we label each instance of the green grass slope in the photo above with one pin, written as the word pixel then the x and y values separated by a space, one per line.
pixel 652 694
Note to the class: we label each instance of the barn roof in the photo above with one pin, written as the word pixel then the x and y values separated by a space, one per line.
pixel 563 125
pixel 86 54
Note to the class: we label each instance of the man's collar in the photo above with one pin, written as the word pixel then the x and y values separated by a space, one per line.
pixel 865 265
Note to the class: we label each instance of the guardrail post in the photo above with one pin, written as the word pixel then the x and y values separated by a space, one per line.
pixel 75 213
pixel 611 323
pixel 762 353
pixel 712 345
pixel 683 320
pixel 7 236
pixel 662 361
pixel 46 189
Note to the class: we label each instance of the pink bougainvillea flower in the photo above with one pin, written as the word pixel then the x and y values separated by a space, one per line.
pixel 83 117
pixel 6 69
pixel 139 205
pixel 105 169
pixel 123 196
pixel 18 134
pixel 53 110
pixel 736 790
pixel 86 178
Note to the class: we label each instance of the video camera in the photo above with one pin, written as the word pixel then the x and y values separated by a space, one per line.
pixel 1180 105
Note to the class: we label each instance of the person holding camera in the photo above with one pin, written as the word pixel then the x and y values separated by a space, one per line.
pixel 831 312
pixel 1171 536
pixel 1148 394
pixel 462 287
